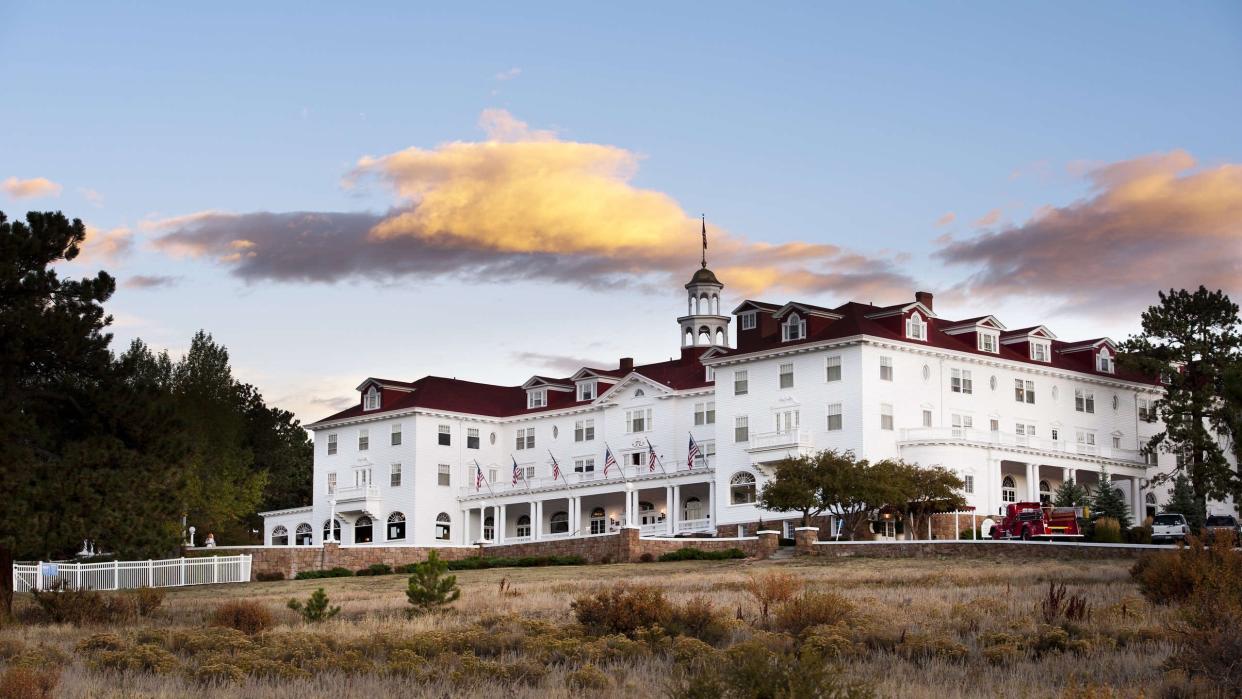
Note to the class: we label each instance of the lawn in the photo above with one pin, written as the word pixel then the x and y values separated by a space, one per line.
pixel 908 628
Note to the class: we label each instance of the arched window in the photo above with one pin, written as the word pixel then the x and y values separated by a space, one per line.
pixel 559 524
pixel 1045 493
pixel 371 399
pixel 304 535
pixel 916 327
pixel 742 488
pixel 705 336
pixel 647 513
pixel 689 339
pixel 396 526
pixel 489 528
pixel 280 536
pixel 793 329
pixel 1009 490
pixel 720 336
pixel 1150 501
pixel 599 523
pixel 523 526
pixel 704 307
pixel 693 509
pixel 335 533
pixel 362 530
pixel 443 525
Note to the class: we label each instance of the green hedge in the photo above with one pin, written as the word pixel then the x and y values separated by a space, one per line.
pixel 693 554
pixel 337 572
pixel 478 563
pixel 376 569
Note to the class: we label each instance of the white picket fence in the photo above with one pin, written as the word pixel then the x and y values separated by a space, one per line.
pixel 117 575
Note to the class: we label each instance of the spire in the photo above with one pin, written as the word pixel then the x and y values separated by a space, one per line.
pixel 704 220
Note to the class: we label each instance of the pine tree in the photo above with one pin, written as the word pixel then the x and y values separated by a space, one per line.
pixel 1107 502
pixel 1182 501
pixel 1070 494
pixel 429 587
pixel 316 608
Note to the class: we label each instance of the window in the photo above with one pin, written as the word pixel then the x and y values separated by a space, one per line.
pixel 707 452
pixel 472 438
pixel 371 399
pixel 748 320
pixel 960 381
pixel 988 342
pixel 332 530
pixel 584 465
pixel 994 425
pixel 396 435
pixel 711 374
pixel 1009 490
pixel 525 439
pixel 444 436
pixel 1116 442
pixel 362 476
pixel 331 482
pixel 362 530
pixel 834 368
pixel 741 428
pixel 886 368
pixel 1024 391
pixel 394 478
pixel 787 375
pixel 741 383
pixel 961 423
pixel 886 416
pixel 586 390
pixel 537 398
pixel 968 484
pixel 1116 402
pixel 599 524
pixel 742 488
pixel 1084 401
pixel 1104 361
pixel 1146 410
pixel 638 420
pixel 304 535
pixel 1056 434
pixel 1040 351
pixel 834 417
pixel 1086 441
pixel 443 524
pixel 927 418
pixel 280 536
pixel 705 413
pixel 364 440
pixel 584 430
pixel 444 474
pixel 916 327
pixel 788 420
pixel 1045 493
pixel 331 444
pixel 635 458
pixel 559 523
pixel 523 526
pixel 396 526
pixel 1023 431
pixel 793 329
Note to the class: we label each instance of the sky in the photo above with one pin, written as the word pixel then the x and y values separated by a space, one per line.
pixel 488 191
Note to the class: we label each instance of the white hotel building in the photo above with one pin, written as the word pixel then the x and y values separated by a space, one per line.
pixel 1014 411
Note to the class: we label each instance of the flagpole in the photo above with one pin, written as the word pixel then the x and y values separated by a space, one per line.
pixel 659 460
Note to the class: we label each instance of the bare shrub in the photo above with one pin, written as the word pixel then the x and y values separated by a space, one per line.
pixel 1174 576
pixel 919 647
pixel 1060 603
pixel 813 609
pixel 1210 630
pixel 247 616
pixel 64 605
pixel 143 658
pixel 756 668
pixel 622 610
pixel 20 682
pixel 147 599
pixel 588 678
pixel 699 618
pixel 772 588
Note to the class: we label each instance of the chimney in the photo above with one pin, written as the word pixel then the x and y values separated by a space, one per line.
pixel 925 298
pixel 627 364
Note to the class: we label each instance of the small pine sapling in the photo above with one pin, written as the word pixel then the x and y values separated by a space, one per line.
pixel 429 587
pixel 316 608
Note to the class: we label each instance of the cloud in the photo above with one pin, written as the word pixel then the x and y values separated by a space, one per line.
pixel 150 281
pixel 95 198
pixel 988 219
pixel 945 220
pixel 106 245
pixel 1152 222
pixel 508 74
pixel 521 205
pixel 33 187
pixel 558 363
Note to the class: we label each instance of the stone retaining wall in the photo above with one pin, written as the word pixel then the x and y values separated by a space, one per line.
pixel 808 545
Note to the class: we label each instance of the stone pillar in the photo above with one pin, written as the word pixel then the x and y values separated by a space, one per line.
pixel 769 542
pixel 668 510
pixel 804 540
pixel 630 544
pixel 331 554
pixel 674 513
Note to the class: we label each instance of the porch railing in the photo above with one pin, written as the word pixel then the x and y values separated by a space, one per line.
pixel 1063 446
pixel 122 575
pixel 694 525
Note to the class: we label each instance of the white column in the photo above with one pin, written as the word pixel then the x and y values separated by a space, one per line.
pixel 501 513
pixel 668 510
pixel 536 519
pixel 1067 474
pixel 674 513
pixel 1136 512
pixel 711 501
pixel 1032 482
pixel 629 505
pixel 573 515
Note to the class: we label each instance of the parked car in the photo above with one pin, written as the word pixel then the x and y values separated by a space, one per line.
pixel 1168 527
pixel 1222 525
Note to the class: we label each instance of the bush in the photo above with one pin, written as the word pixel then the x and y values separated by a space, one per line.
pixel 758 669
pixel 647 557
pixel 337 572
pixel 1059 603
pixel 693 554
pixel 773 588
pixel 813 609
pixel 588 678
pixel 62 605
pixel 1140 534
pixel 699 618
pixel 969 534
pixel 623 610
pixel 1174 576
pixel 140 658
pixel 20 682
pixel 429 588
pixel 147 599
pixel 269 576
pixel 482 562
pixel 314 609
pixel 246 616
pixel 1106 530
pixel 375 569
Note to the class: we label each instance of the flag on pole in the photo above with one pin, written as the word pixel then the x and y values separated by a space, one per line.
pixel 655 460
pixel 609 460
pixel 651 457
pixel 693 453
pixel 478 476
pixel 515 471
pixel 556 468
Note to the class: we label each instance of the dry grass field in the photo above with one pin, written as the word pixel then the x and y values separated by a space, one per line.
pixel 906 628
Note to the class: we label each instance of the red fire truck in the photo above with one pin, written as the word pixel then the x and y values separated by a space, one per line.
pixel 1033 520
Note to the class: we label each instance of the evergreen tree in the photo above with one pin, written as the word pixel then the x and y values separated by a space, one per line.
pixel 1182 501
pixel 316 608
pixel 1070 494
pixel 429 587
pixel 1106 501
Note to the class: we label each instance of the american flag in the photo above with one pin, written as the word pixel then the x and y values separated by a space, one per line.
pixel 609 460
pixel 556 468
pixel 693 453
pixel 478 476
pixel 516 471
pixel 651 458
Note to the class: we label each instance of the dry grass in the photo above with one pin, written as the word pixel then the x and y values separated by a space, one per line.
pixel 914 628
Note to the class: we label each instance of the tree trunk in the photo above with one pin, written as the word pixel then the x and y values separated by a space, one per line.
pixel 6 584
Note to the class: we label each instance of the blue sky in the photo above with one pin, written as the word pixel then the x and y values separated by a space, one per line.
pixel 856 126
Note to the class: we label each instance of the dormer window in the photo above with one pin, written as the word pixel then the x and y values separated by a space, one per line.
pixel 1104 361
pixel 749 320
pixel 537 398
pixel 586 390
pixel 371 399
pixel 1041 351
pixel 916 327
pixel 989 342
pixel 793 329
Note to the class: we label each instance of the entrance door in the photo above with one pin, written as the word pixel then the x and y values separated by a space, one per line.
pixel 693 509
pixel 647 513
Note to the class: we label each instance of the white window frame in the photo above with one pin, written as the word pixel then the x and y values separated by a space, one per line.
pixel 830 363
pixel 741 429
pixel 395 438
pixel 968 483
pixel 886 417
pixel 332 444
pixel 1041 351
pixel 394 475
pixel 961 423
pixel 786 373
pixel 916 327
pixel 835 411
pixel 444 435
pixel 331 482
pixel 371 399
pixel 927 418
pixel 741 382
pixel 364 439
pixel 537 398
pixel 584 430
pixel 705 413
pixel 444 474
pixel 472 436
pixel 639 420
pixel 748 320
pixel 524 438
pixel 886 368
pixel 1024 391
pixel 584 464
pixel 960 381
pixel 794 328
pixel 1084 401
pixel 587 390
pixel 989 341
